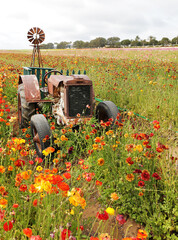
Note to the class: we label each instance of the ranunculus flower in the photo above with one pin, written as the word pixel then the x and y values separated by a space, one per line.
pixel 7 226
pixel 141 184
pixel 102 216
pixel 110 211
pixel 65 234
pixel 27 232
pixel 145 175
pixel 120 218
pixel 156 176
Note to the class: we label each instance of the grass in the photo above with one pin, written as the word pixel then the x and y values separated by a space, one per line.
pixel 130 165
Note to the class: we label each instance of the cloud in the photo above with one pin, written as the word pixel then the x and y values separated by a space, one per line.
pixel 85 20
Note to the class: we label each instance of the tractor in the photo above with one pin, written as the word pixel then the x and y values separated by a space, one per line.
pixel 71 99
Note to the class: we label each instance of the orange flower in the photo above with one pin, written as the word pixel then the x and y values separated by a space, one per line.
pixel 87 137
pixel 100 161
pixel 2 169
pixel 130 177
pixel 142 234
pixel 10 168
pixel 3 203
pixel 95 146
pixel 27 232
pixel 2 189
pixel 97 140
pixel 114 196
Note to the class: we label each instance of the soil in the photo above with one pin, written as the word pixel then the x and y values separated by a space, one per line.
pixel 111 226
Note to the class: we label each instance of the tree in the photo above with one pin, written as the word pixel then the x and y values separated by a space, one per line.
pixel 136 42
pixel 79 44
pixel 165 41
pixel 113 41
pixel 63 45
pixel 125 42
pixel 98 42
pixel 152 41
pixel 175 40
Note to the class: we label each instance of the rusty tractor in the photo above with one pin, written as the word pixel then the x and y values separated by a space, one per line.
pixel 71 98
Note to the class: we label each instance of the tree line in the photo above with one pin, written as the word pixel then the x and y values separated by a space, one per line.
pixel 112 42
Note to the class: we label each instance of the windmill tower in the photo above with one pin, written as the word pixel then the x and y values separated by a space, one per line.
pixel 36 36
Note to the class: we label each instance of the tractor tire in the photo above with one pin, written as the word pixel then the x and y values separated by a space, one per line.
pixel 25 109
pixel 40 129
pixel 106 110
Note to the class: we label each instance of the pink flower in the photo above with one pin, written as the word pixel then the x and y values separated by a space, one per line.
pixel 120 218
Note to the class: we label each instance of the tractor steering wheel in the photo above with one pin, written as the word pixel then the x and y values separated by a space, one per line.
pixel 46 74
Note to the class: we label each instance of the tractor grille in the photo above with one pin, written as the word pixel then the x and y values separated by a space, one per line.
pixel 79 98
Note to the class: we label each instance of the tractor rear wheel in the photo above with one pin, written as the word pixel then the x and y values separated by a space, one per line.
pixel 25 109
pixel 41 133
pixel 106 110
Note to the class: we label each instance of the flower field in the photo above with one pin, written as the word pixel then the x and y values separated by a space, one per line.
pixel 126 171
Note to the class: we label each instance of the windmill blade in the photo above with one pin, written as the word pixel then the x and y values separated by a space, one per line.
pixel 36 35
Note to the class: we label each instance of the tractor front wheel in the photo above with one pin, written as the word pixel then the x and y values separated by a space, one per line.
pixel 25 109
pixel 41 133
pixel 106 110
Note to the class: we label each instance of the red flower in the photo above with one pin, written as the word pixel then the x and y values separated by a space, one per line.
pixel 129 161
pixel 145 175
pixel 98 183
pixel 8 227
pixel 23 188
pixel 19 163
pixel 141 184
pixel 35 202
pixel 137 171
pixel 15 205
pixel 156 176
pixel 120 218
pixel 38 160
pixel 67 175
pixel 65 234
pixel 102 216
pixel 63 186
pixel 94 238
pixel 27 232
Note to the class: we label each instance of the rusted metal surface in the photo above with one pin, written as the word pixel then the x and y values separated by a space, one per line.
pixel 31 86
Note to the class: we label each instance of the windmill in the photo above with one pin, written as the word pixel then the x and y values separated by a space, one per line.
pixel 36 36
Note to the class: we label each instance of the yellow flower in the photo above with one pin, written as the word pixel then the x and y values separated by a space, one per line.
pixel 39 169
pixel 110 211
pixel 114 147
pixel 95 146
pixel 139 148
pixel 130 113
pixel 72 212
pixel 104 236
pixel 126 135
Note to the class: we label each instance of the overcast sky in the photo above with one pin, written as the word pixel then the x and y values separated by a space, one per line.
pixel 71 20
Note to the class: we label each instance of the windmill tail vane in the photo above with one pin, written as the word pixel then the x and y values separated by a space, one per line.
pixel 36 36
